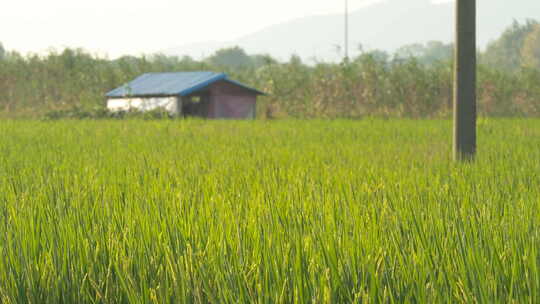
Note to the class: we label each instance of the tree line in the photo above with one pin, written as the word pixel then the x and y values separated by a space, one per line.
pixel 414 82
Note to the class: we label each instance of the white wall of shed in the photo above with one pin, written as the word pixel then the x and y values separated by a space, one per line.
pixel 171 104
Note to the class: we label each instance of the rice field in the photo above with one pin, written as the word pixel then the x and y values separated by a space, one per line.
pixel 370 211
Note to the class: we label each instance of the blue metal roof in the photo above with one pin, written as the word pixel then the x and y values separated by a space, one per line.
pixel 171 84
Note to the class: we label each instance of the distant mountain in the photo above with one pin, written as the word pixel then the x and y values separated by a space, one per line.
pixel 386 25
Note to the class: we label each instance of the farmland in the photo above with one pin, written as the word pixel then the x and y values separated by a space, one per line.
pixel 267 212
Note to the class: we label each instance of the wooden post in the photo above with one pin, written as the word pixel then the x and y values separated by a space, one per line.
pixel 465 81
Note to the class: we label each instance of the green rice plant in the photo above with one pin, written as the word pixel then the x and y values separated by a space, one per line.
pixel 341 211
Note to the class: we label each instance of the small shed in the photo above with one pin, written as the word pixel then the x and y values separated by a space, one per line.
pixel 202 94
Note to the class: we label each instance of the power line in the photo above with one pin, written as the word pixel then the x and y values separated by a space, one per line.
pixel 346 29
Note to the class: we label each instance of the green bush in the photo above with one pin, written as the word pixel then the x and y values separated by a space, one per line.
pixel 103 113
pixel 72 84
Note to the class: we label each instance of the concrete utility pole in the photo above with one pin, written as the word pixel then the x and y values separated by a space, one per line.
pixel 465 81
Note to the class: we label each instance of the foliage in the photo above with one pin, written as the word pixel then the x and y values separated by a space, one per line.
pixel 370 211
pixel 506 52
pixel 102 113
pixel 369 85
pixel 78 113
pixel 416 82
pixel 234 57
pixel 2 51
pixel 531 48
pixel 429 53
pixel 237 58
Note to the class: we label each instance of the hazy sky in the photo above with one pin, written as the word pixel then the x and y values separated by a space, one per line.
pixel 117 27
